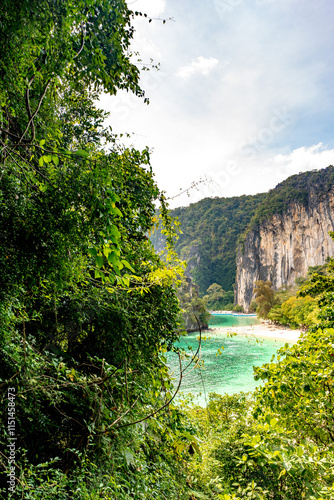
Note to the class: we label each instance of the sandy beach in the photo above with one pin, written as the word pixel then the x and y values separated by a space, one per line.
pixel 262 330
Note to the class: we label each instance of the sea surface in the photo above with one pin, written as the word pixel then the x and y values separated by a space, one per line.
pixel 228 361
pixel 230 320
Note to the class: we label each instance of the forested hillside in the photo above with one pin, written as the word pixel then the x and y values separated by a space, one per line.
pixel 288 233
pixel 209 235
pixel 295 189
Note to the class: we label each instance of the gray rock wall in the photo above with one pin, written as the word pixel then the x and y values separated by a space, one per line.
pixel 282 248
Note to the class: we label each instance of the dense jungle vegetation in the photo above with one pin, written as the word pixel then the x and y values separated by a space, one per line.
pixel 88 310
pixel 300 305
pixel 209 234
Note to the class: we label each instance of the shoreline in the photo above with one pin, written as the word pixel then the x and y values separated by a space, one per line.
pixel 218 313
pixel 262 330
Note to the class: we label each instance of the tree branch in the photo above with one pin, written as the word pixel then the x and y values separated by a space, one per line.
pixel 32 166
pixel 9 133
pixel 118 419
pixel 162 407
pixel 31 122
pixel 82 42
pixel 31 117
pixel 199 345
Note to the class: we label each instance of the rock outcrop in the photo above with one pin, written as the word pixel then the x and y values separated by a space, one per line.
pixel 282 248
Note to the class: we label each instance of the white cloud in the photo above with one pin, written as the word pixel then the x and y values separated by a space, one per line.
pixel 268 61
pixel 150 7
pixel 147 48
pixel 254 175
pixel 304 159
pixel 200 65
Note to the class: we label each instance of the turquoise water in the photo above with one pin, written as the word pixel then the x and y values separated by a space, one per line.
pixel 230 372
pixel 228 320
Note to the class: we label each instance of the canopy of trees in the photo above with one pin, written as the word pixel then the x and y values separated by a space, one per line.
pixel 303 188
pixel 295 307
pixel 209 236
pixel 264 298
pixel 217 299
pixel 87 309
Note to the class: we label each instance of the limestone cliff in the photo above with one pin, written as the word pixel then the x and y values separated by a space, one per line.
pixel 282 246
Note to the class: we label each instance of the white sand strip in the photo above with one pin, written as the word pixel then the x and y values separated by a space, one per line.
pixel 263 330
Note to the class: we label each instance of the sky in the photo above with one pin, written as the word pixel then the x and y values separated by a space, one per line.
pixel 243 97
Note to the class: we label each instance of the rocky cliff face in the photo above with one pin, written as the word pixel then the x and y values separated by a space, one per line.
pixel 282 248
pixel 192 255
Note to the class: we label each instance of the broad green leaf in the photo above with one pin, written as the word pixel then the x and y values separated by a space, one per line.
pixel 113 259
pixel 106 251
pixel 92 251
pixel 113 230
pixel 117 211
pixel 127 265
pixel 300 451
pixel 99 261
pixel 55 160
pixel 81 152
pixel 126 281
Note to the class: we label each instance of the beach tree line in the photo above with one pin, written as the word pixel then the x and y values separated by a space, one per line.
pixel 297 305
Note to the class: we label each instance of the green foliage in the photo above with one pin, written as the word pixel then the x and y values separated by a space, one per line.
pixel 195 314
pixel 302 188
pixel 87 308
pixel 277 444
pixel 220 425
pixel 265 297
pixel 321 288
pixel 296 311
pixel 299 386
pixel 217 299
pixel 208 239
pixel 294 307
pixel 298 395
pixel 253 307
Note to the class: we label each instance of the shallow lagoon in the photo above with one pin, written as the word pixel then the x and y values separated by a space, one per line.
pixel 230 320
pixel 230 372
